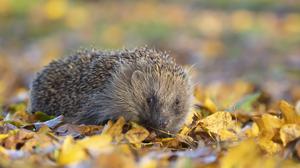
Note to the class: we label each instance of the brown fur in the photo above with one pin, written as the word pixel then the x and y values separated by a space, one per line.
pixel 91 87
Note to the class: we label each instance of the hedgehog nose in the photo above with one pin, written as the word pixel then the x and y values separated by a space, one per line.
pixel 163 123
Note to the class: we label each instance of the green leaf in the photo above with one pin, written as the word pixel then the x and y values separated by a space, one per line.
pixel 245 103
pixel 42 116
pixel 17 107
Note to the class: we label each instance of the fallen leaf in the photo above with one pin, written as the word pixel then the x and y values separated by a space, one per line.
pixel 78 130
pixel 17 139
pixel 210 105
pixel 115 130
pixel 95 144
pixel 71 153
pixel 3 136
pixel 136 134
pixel 269 146
pixel 50 123
pixel 40 116
pixel 268 125
pixel 68 129
pixel 289 132
pixel 227 135
pixel 246 102
pixel 289 113
pixel 148 163
pixel 220 123
pixel 253 131
pixel 115 159
pixel 246 154
pixel 187 140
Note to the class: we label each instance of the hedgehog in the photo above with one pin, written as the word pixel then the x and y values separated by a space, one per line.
pixel 90 87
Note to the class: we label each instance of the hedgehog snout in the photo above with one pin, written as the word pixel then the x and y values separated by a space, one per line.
pixel 163 123
pixel 158 123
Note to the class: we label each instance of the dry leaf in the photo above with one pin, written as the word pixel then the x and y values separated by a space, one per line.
pixel 253 131
pixel 269 146
pixel 246 154
pixel 3 136
pixel 71 153
pixel 210 105
pixel 115 130
pixel 220 123
pixel 17 139
pixel 289 113
pixel 96 143
pixel 136 134
pixel 268 125
pixel 289 132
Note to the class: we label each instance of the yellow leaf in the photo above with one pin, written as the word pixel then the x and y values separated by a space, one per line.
pixel 246 154
pixel 269 146
pixel 210 105
pixel 268 125
pixel 198 93
pixel 70 152
pixel 191 113
pixel 115 130
pixel 186 139
pixel 119 156
pixel 107 126
pixel 3 150
pixel 185 130
pixel 227 135
pixel 136 134
pixel 218 122
pixel 253 131
pixel 148 163
pixel 289 132
pixel 55 9
pixel 125 149
pixel 3 136
pixel 289 113
pixel 95 143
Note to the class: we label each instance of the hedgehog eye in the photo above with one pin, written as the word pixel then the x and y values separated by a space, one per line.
pixel 150 100
pixel 177 101
pixel 177 106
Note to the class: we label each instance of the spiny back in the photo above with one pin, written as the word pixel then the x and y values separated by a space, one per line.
pixel 64 83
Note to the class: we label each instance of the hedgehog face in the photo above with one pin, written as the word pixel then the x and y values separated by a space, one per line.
pixel 154 93
pixel 161 100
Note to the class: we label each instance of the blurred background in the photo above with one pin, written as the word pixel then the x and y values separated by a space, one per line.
pixel 257 41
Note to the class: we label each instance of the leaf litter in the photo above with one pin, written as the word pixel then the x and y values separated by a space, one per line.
pixel 239 130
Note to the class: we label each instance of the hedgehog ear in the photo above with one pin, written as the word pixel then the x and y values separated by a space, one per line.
pixel 137 76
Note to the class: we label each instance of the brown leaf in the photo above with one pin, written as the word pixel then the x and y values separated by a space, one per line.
pixel 68 129
pixel 17 139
